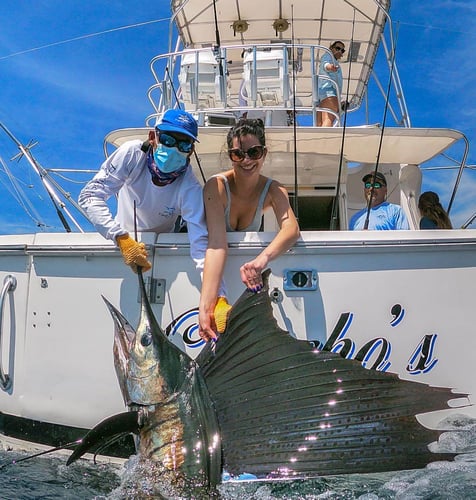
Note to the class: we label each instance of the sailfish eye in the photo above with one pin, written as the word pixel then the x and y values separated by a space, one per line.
pixel 146 339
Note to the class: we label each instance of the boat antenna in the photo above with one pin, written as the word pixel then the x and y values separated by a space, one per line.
pixel 296 185
pixel 369 201
pixel 335 201
pixel 51 450
pixel 47 182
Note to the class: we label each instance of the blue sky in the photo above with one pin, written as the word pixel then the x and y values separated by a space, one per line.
pixel 67 89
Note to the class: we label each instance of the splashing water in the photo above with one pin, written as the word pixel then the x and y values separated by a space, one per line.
pixel 47 477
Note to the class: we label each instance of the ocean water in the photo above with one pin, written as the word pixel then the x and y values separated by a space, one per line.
pixel 48 477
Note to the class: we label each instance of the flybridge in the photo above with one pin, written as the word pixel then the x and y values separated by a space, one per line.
pixel 360 25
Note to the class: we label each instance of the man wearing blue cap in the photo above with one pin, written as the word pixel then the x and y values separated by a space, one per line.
pixel 155 176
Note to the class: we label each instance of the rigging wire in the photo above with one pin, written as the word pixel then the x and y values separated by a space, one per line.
pixel 17 193
pixel 369 200
pixel 82 37
pixel 39 454
pixel 168 19
pixel 335 201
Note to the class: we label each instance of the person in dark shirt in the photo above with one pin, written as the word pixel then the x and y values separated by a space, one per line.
pixel 433 214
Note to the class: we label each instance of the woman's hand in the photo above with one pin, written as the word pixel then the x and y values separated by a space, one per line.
pixel 206 326
pixel 251 273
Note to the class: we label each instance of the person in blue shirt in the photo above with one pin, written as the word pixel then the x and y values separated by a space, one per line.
pixel 330 84
pixel 383 215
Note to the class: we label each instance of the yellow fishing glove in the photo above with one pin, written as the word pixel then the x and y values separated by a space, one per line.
pixel 134 253
pixel 221 312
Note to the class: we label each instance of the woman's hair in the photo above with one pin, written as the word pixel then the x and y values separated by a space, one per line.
pixel 430 206
pixel 246 126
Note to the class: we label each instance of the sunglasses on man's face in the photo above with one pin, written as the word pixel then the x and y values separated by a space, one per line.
pixel 253 153
pixel 183 145
pixel 376 185
pixel 340 49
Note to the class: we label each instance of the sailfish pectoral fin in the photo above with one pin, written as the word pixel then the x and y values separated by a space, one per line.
pixel 127 422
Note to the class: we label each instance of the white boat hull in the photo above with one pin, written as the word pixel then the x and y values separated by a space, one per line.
pixel 399 301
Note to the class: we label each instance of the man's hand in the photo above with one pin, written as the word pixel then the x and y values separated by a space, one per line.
pixel 134 253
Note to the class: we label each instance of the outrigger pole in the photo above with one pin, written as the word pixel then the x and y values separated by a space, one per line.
pixel 49 184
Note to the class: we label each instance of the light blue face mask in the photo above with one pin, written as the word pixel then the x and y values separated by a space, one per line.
pixel 169 160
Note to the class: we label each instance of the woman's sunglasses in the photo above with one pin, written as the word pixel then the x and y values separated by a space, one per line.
pixel 183 145
pixel 254 153
pixel 376 185
pixel 340 49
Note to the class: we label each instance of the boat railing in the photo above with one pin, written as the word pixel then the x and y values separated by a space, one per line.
pixel 276 81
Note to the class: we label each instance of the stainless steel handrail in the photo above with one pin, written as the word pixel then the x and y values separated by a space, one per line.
pixel 9 285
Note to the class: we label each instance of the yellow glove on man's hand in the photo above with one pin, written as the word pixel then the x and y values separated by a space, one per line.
pixel 222 309
pixel 134 253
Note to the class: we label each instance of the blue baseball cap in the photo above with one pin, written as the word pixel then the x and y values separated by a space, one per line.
pixel 176 120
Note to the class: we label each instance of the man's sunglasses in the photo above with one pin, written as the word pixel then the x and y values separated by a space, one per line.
pixel 340 49
pixel 376 185
pixel 254 153
pixel 183 145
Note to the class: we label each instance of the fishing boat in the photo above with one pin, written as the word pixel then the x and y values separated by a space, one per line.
pixel 397 301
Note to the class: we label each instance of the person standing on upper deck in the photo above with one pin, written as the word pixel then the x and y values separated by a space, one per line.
pixel 157 177
pixel 330 84
pixel 383 215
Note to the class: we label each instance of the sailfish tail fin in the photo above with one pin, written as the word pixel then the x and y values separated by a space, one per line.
pixel 127 422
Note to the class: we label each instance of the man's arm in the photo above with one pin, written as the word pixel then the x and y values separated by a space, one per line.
pixel 107 182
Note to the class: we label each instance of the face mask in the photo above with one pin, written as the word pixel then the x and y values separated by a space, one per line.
pixel 169 159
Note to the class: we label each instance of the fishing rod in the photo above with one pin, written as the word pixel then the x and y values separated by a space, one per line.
pixel 296 184
pixel 217 49
pixel 218 57
pixel 335 201
pixel 48 183
pixel 195 155
pixel 369 200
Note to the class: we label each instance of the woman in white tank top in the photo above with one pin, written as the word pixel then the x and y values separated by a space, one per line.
pixel 235 201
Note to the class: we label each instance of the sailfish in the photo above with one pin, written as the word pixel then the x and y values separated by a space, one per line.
pixel 262 402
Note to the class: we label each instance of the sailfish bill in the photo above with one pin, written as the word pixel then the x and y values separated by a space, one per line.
pixel 263 402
